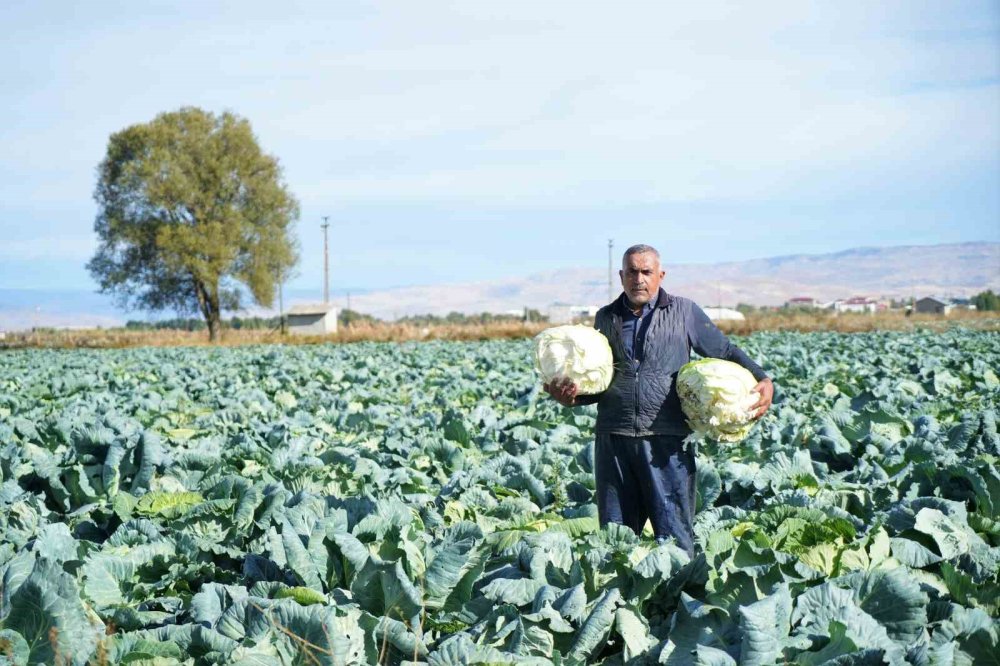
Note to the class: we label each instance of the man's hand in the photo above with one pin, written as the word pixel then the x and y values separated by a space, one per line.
pixel 563 390
pixel 766 390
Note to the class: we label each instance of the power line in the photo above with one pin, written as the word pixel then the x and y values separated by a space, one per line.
pixel 326 260
pixel 611 288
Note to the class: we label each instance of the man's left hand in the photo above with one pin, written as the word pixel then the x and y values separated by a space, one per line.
pixel 766 390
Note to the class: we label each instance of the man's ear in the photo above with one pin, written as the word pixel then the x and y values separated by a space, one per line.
pixel 621 276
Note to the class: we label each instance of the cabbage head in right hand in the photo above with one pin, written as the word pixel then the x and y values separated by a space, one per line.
pixel 576 352
pixel 716 397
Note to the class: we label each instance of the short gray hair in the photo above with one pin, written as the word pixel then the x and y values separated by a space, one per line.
pixel 641 249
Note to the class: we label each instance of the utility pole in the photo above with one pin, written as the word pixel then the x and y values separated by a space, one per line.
pixel 326 261
pixel 611 289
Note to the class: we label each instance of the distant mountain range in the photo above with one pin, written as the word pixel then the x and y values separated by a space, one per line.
pixel 956 270
pixel 948 270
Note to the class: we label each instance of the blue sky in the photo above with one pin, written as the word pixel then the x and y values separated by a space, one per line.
pixel 460 142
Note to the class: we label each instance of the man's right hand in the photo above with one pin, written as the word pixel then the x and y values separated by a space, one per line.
pixel 562 390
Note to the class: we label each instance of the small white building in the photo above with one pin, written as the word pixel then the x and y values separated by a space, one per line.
pixel 963 304
pixel 724 314
pixel 560 313
pixel 313 319
pixel 856 304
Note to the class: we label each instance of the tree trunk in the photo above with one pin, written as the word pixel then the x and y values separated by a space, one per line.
pixel 208 301
pixel 214 317
pixel 214 326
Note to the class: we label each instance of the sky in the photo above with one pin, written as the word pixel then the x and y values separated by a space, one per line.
pixel 453 142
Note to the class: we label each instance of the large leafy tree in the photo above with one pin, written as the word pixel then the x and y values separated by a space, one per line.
pixel 192 216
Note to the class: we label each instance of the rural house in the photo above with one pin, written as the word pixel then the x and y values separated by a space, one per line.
pixel 802 302
pixel 934 305
pixel 312 319
pixel 856 304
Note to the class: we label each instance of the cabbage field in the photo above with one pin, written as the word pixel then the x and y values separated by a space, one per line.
pixel 424 503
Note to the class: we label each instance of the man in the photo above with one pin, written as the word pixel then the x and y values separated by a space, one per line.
pixel 643 470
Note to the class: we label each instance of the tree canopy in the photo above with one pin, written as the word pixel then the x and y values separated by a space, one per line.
pixel 986 301
pixel 192 216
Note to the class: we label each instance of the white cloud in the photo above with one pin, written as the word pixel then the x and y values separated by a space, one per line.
pixel 529 106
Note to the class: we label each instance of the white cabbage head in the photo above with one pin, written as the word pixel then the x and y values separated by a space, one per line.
pixel 578 352
pixel 716 397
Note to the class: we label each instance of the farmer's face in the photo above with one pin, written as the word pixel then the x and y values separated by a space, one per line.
pixel 641 276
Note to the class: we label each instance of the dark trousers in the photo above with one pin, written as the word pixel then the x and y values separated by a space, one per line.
pixel 641 478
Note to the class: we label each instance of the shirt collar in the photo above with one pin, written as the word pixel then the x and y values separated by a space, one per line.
pixel 646 309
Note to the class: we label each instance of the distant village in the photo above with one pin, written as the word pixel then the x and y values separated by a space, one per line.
pixel 323 319
pixel 319 319
pixel 941 305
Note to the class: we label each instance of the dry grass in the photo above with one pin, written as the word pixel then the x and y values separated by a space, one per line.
pixel 807 322
pixel 388 332
pixel 379 332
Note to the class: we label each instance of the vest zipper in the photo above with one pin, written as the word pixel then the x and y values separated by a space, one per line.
pixel 635 407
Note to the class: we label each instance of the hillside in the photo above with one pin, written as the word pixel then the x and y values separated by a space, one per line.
pixel 956 270
pixel 952 270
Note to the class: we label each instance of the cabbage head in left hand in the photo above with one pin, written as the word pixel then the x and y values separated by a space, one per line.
pixel 578 352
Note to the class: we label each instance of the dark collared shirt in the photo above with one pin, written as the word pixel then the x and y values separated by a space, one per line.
pixel 642 399
pixel 634 327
